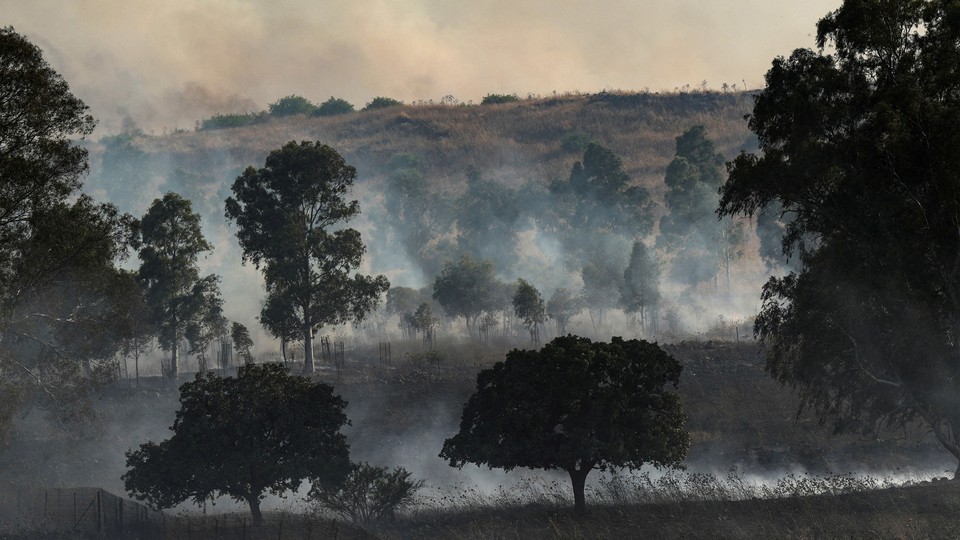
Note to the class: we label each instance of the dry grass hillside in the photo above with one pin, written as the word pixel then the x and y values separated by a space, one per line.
pixel 512 142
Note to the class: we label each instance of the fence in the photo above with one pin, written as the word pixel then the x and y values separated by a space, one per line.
pixel 90 512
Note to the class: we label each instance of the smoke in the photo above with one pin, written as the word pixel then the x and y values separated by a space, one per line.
pixel 169 64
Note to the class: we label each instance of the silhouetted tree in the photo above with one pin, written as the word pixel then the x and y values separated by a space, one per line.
pixel 170 242
pixel 640 291
pixel 58 249
pixel 262 431
pixel 529 308
pixel 576 406
pixel 289 218
pixel 561 307
pixel 242 343
pixel 859 146
pixel 208 323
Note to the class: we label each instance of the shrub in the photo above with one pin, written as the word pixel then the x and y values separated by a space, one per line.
pixel 495 99
pixel 368 494
pixel 225 121
pixel 292 105
pixel 380 102
pixel 333 106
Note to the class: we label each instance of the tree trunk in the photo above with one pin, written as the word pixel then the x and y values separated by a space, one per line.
pixel 175 358
pixel 308 350
pixel 254 503
pixel 579 479
pixel 956 474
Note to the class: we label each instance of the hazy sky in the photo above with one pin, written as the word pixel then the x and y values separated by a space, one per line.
pixel 166 63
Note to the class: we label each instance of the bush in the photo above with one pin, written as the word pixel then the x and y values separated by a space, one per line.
pixel 369 494
pixel 292 105
pixel 495 99
pixel 333 106
pixel 380 102
pixel 225 121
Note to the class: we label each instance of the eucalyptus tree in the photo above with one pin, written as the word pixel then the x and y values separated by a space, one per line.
pixel 290 218
pixel 859 152
pixel 170 242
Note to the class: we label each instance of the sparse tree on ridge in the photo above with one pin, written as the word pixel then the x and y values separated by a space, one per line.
pixel 576 406
pixel 858 145
pixel 289 218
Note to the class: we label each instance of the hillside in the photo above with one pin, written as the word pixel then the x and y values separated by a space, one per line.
pixel 512 142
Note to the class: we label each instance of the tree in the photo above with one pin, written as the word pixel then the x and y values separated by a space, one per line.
pixel 58 248
pixel 333 107
pixel 290 216
pixel 640 291
pixel 242 437
pixel 486 216
pixel 859 153
pixel 292 105
pixel 466 288
pixel 703 246
pixel 498 99
pixel 242 343
pixel 369 494
pixel 208 323
pixel 170 242
pixel 561 307
pixel 577 406
pixel 529 308
pixel 424 322
pixel 402 302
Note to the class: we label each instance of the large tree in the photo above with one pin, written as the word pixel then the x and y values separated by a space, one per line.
pixel 575 405
pixel 859 145
pixel 290 216
pixel 170 242
pixel 261 431
pixel 57 248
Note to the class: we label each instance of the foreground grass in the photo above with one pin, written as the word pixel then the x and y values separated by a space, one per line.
pixel 931 510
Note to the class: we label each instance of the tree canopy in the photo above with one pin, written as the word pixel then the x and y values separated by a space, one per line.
pixel 574 405
pixel 858 144
pixel 290 216
pixel 242 437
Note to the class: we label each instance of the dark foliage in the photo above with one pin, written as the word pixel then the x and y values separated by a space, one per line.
pixel 859 149
pixel 242 437
pixel 575 405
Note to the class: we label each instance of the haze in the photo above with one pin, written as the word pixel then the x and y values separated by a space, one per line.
pixel 164 65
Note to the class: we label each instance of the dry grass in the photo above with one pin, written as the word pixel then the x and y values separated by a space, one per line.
pixel 513 142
